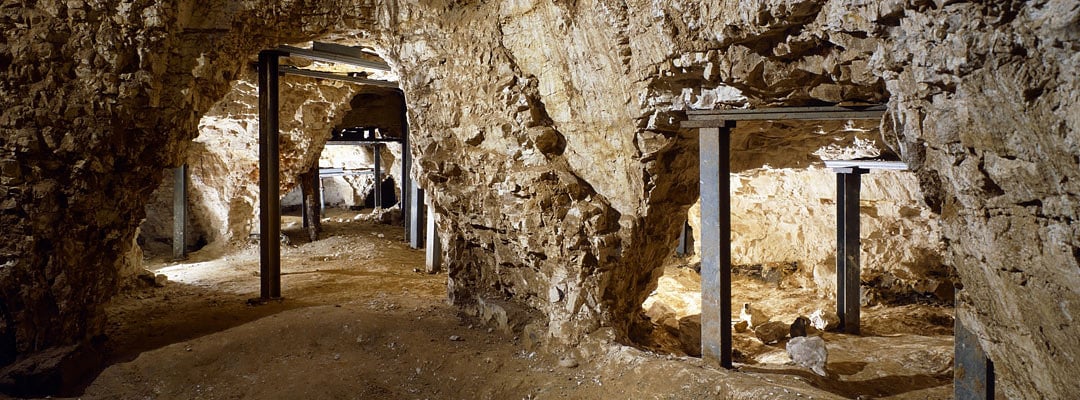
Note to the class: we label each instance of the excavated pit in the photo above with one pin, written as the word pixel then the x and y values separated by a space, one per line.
pixel 547 136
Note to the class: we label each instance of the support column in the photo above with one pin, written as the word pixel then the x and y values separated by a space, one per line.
pixel 269 179
pixel 406 168
pixel 179 242
pixel 973 372
pixel 686 241
pixel 434 247
pixel 848 269
pixel 416 216
pixel 378 175
pixel 322 198
pixel 309 188
pixel 716 243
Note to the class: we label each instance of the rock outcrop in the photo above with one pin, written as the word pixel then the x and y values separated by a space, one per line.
pixel 547 134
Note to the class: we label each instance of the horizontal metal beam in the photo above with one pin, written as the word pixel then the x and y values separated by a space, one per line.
pixel 365 142
pixel 717 121
pixel 716 118
pixel 291 70
pixel 334 48
pixel 865 164
pixel 333 57
pixel 790 110
pixel 356 172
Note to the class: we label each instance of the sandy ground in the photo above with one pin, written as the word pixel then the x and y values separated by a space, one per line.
pixel 359 321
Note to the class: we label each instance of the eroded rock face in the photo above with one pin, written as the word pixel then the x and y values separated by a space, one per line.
pixel 99 98
pixel 547 137
pixel 987 98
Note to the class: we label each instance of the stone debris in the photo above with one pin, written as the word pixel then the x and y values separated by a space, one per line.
pixel 752 316
pixel 741 326
pixel 455 338
pixel 809 352
pixel 799 327
pixel 690 334
pixel 568 362
pixel 771 332
pixel 824 320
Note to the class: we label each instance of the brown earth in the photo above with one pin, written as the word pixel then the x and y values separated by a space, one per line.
pixel 359 320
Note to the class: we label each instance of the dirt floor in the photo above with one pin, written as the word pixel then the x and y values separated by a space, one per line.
pixel 359 320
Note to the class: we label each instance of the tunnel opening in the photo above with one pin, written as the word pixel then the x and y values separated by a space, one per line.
pixel 562 107
pixel 784 191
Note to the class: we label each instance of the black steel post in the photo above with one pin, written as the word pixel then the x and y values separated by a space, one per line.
pixel 309 183
pixel 715 181
pixel 433 255
pixel 378 175
pixel 406 168
pixel 303 202
pixel 179 242
pixel 416 216
pixel 973 374
pixel 269 178
pixel 680 249
pixel 841 263
pixel 848 268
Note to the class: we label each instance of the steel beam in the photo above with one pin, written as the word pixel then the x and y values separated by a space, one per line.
pixel 329 57
pixel 848 268
pixel 973 374
pixel 378 175
pixel 433 259
pixel 715 175
pixel 180 193
pixel 406 167
pixel 269 178
pixel 417 218
pixel 309 187
pixel 290 70
pixel 686 240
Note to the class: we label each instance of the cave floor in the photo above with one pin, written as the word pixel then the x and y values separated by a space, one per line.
pixel 359 321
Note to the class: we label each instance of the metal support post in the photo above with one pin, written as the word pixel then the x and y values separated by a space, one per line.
pixel 309 185
pixel 322 198
pixel 715 144
pixel 416 216
pixel 973 374
pixel 179 242
pixel 848 295
pixel 406 167
pixel 269 179
pixel 378 175
pixel 434 249
pixel 686 240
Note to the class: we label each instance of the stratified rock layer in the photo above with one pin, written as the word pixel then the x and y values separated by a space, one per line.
pixel 547 136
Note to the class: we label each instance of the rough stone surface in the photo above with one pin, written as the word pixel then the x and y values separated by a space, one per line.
pixel 789 216
pixel 547 137
pixel 825 320
pixel 772 331
pixel 809 352
pixel 986 98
